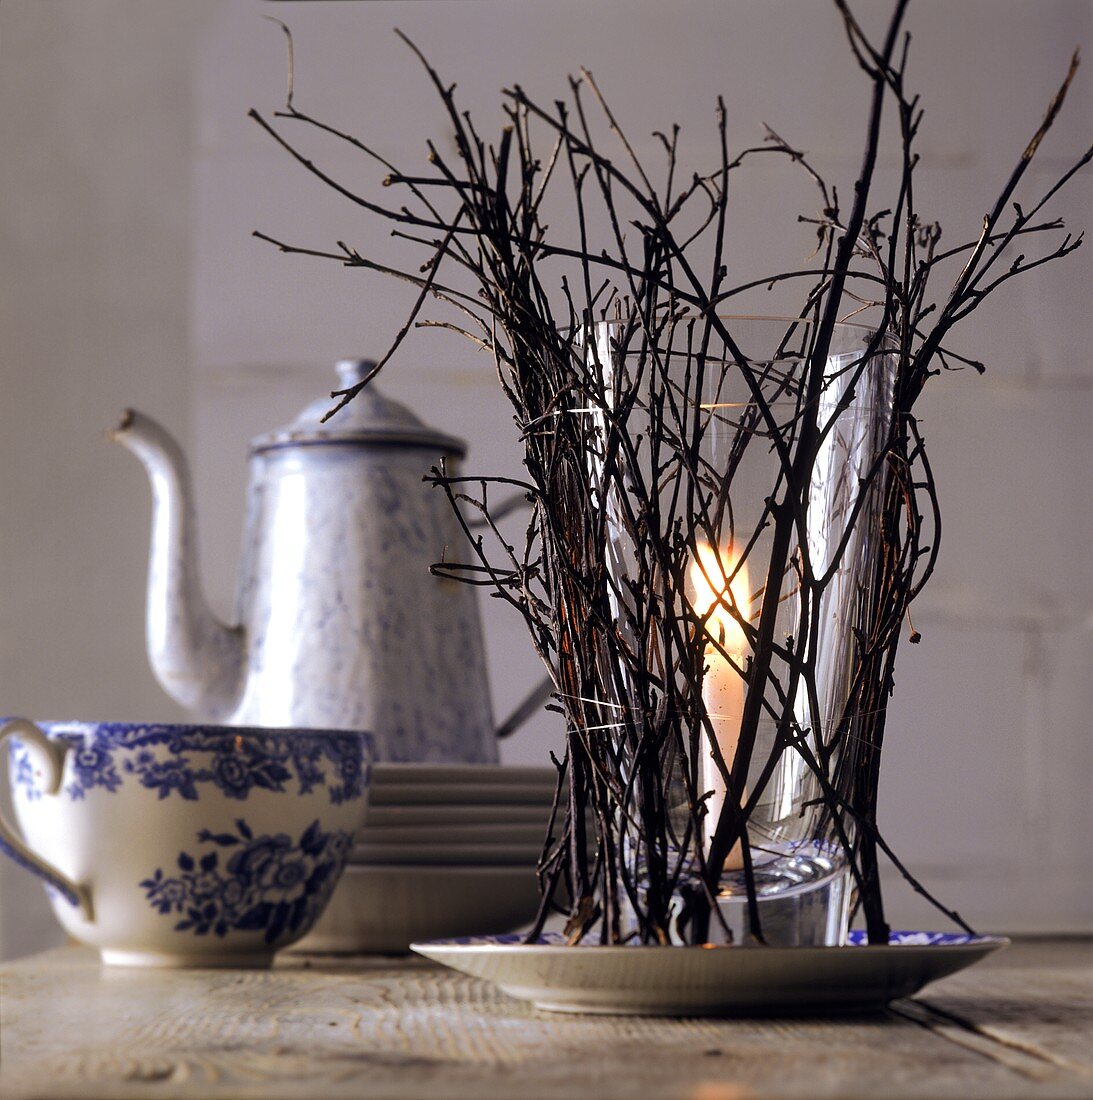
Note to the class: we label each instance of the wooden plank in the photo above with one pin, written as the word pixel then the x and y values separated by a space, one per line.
pixel 394 1028
pixel 1036 1000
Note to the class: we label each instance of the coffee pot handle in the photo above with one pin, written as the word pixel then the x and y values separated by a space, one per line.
pixel 528 707
pixel 11 844
pixel 539 694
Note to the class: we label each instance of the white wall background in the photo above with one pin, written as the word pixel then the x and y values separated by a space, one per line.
pixel 130 183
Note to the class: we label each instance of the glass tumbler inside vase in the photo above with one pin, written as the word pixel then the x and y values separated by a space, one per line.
pixel 776 448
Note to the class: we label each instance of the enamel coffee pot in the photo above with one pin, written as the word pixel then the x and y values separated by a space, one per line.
pixel 339 622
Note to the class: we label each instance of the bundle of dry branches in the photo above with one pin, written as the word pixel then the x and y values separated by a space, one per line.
pixel 607 331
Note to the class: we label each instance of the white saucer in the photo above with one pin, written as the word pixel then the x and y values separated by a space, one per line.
pixel 462 773
pixel 465 794
pixel 384 909
pixel 453 815
pixel 694 981
pixel 433 854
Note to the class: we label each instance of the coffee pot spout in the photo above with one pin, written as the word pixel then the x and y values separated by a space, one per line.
pixel 197 659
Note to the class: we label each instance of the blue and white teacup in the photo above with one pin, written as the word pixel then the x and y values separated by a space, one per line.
pixel 185 845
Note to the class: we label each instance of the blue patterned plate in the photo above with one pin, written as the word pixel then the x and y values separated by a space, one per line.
pixel 706 981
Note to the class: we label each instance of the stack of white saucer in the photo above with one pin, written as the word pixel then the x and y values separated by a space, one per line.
pixel 445 850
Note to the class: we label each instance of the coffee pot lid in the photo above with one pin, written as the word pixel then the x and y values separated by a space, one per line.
pixel 368 418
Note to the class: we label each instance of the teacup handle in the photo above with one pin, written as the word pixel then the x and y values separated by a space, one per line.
pixel 13 845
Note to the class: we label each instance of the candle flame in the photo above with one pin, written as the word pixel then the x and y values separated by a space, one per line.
pixel 718 597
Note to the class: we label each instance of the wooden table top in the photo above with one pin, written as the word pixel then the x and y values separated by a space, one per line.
pixel 1019 1024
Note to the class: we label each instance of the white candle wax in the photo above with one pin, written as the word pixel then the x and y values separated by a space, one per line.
pixel 722 687
pixel 723 694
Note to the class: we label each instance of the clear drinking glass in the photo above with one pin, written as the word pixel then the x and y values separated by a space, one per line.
pixel 746 406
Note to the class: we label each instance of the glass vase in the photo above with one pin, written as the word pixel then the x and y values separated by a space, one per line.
pixel 750 424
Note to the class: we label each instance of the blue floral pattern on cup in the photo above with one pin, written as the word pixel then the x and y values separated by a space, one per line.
pixel 248 883
pixel 161 758
pixel 23 772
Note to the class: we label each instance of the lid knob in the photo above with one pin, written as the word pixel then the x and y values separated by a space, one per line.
pixel 369 418
pixel 352 371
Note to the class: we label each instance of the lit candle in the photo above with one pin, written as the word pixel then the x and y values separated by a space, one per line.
pixel 722 686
